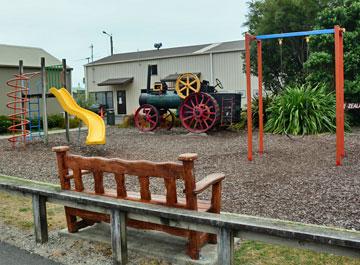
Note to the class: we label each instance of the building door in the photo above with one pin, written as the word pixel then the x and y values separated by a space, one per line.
pixel 121 101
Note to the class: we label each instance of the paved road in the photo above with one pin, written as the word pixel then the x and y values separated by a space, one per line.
pixel 10 255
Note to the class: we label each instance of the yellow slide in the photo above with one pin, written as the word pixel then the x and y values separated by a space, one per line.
pixel 95 124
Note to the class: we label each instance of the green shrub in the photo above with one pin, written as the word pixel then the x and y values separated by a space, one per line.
pixel 56 121
pixel 35 122
pixel 241 124
pixel 73 123
pixel 302 109
pixel 5 123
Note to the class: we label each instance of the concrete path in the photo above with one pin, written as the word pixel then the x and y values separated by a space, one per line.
pixel 16 256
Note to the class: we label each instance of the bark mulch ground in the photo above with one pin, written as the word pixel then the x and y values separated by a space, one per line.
pixel 296 179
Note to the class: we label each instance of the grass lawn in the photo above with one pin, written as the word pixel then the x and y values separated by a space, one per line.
pixel 16 211
pixel 257 253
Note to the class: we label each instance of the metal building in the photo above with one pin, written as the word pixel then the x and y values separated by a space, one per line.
pixel 116 80
pixel 9 66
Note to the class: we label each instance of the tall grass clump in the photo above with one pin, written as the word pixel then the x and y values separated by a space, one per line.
pixel 302 109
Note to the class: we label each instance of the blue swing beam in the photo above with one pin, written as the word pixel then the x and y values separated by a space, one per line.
pixel 295 34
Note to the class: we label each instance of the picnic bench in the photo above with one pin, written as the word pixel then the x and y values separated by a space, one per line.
pixel 73 168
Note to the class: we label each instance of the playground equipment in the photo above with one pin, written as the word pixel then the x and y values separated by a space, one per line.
pixel 339 84
pixel 95 124
pixel 199 106
pixel 18 104
pixel 28 91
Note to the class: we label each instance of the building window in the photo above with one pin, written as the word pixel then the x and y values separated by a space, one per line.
pixel 104 98
pixel 154 70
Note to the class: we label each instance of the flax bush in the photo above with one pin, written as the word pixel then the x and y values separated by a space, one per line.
pixel 302 109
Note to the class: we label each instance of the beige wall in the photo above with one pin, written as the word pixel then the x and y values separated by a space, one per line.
pixel 226 66
pixel 6 74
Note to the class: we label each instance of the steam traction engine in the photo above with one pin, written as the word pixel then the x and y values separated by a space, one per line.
pixel 199 106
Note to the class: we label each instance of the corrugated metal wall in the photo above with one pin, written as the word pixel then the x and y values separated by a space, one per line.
pixel 226 66
pixel 8 73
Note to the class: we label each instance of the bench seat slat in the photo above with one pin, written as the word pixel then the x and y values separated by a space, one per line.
pixel 203 205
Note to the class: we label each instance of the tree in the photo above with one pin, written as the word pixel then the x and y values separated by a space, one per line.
pixel 320 65
pixel 283 64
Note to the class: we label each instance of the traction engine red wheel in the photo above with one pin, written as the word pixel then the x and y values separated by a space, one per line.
pixel 146 118
pixel 199 112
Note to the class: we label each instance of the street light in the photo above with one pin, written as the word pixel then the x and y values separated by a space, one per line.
pixel 111 41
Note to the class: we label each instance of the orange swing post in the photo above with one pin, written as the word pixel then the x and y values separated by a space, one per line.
pixel 248 39
pixel 339 85
pixel 261 116
pixel 342 93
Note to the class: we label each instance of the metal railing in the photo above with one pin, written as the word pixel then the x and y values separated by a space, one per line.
pixel 226 226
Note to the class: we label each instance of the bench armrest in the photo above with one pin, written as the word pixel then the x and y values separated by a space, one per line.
pixel 208 181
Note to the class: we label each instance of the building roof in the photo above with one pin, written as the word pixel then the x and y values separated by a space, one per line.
pixel 238 45
pixel 11 54
pixel 116 81
pixel 174 77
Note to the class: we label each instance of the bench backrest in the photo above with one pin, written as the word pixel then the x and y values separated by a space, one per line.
pixel 169 171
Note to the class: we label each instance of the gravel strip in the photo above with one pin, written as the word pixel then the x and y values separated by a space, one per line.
pixel 66 250
pixel 296 179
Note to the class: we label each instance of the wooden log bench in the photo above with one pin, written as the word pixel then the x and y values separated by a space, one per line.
pixel 73 168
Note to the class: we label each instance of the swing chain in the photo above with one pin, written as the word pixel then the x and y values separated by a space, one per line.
pixel 280 41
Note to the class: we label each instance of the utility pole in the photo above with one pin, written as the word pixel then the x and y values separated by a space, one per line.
pixel 92 52
pixel 111 45
pixel 111 42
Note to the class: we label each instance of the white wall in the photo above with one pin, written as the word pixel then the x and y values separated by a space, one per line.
pixel 226 66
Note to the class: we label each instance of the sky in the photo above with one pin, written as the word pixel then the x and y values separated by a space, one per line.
pixel 67 28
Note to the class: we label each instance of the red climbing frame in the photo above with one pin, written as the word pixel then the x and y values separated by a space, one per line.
pixel 339 83
pixel 18 103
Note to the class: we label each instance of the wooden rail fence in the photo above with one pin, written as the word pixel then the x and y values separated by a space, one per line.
pixel 226 226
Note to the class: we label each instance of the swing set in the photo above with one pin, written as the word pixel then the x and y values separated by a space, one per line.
pixel 339 84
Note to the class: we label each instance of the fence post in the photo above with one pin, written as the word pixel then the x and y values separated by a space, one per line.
pixel 225 247
pixel 118 237
pixel 40 221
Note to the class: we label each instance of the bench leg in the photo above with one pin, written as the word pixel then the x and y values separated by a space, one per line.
pixel 225 247
pixel 40 221
pixel 70 221
pixel 194 245
pixel 212 238
pixel 118 237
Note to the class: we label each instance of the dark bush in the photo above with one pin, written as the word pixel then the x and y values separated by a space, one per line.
pixel 73 123
pixel 303 109
pixel 5 123
pixel 56 121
